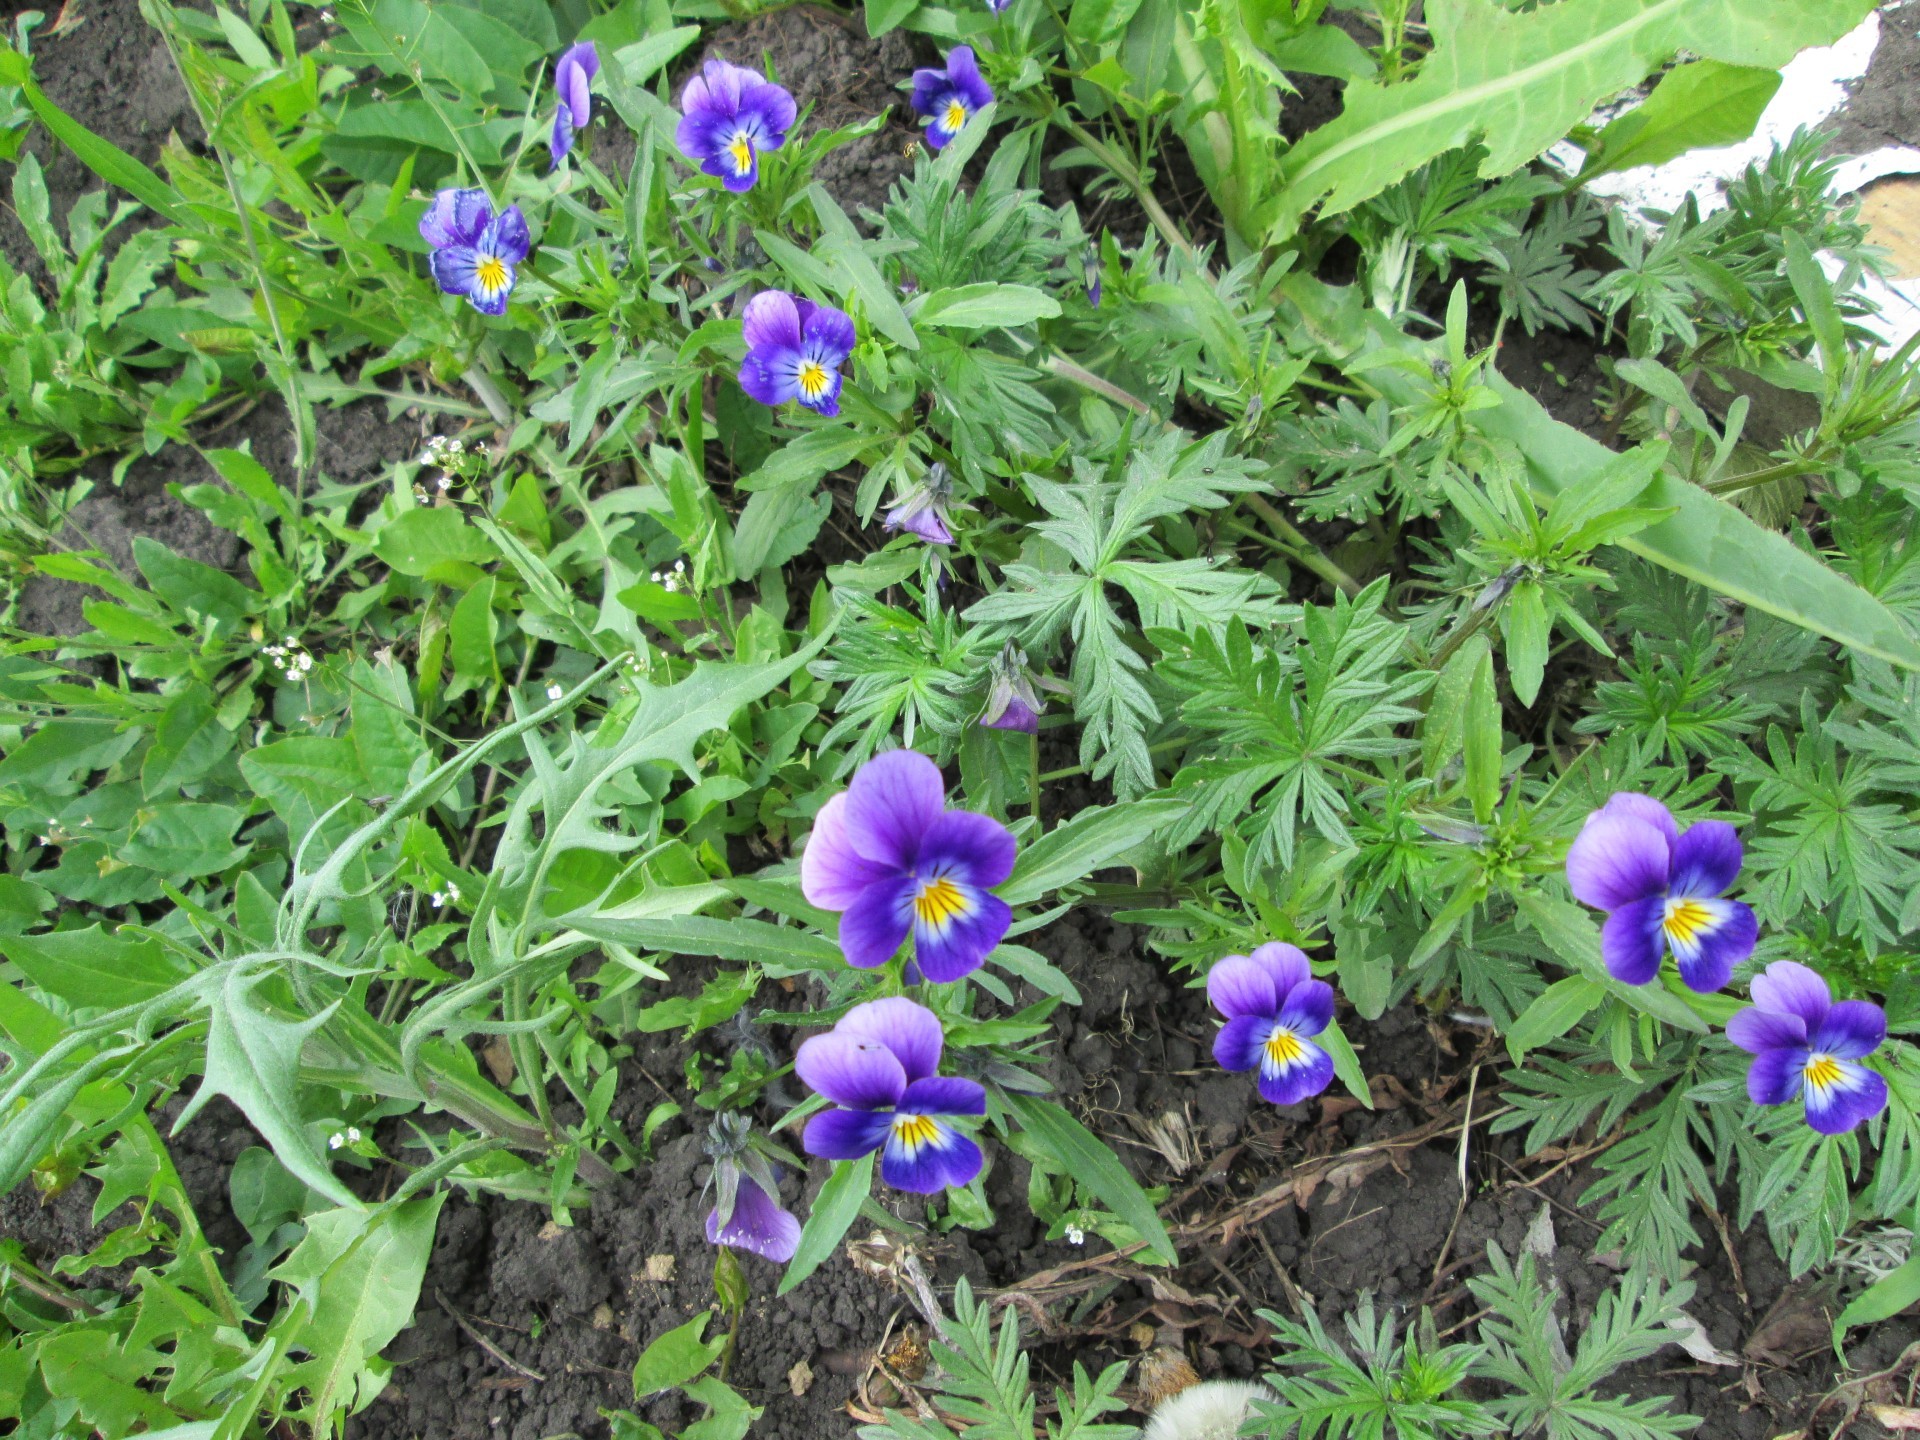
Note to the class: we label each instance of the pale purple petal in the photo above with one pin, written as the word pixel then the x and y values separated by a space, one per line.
pixel 974 848
pixel 573 77
pixel 892 803
pixel 453 268
pixel 1307 1009
pixel 1790 988
pixel 560 141
pixel 1757 1031
pixel 1239 985
pixel 1286 965
pixel 1775 1075
pixel 920 515
pixel 1706 860
pixel 876 922
pixel 1706 962
pixel 832 872
pixel 1630 941
pixel 1859 1094
pixel 772 378
pixel 758 1225
pixel 1239 1044
pixel 771 105
pixel 1616 859
pixel 906 1027
pixel 860 1074
pixel 846 1134
pixel 945 1095
pixel 456 217
pixel 1643 807
pixel 963 71
pixel 507 236
pixel 927 84
pixel 1852 1028
pixel 771 322
pixel 1017 714
pixel 829 335
pixel 958 943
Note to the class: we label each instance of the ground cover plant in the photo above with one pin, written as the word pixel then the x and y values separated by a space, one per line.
pixel 812 673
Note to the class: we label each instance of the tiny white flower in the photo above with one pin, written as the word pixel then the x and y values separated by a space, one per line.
pixel 453 891
pixel 353 1134
pixel 554 692
pixel 655 577
pixel 437 899
pixel 336 1140
pixel 672 586
pixel 679 567
pixel 1075 1235
pixel 444 484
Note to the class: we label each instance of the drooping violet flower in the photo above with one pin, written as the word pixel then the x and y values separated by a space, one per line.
pixel 572 79
pixel 474 250
pixel 1803 1043
pixel 795 349
pixel 730 116
pixel 893 860
pixel 877 1067
pixel 747 1214
pixel 1012 701
pixel 923 509
pixel 1273 1005
pixel 1662 889
pixel 947 98
pixel 996 6
pixel 1090 273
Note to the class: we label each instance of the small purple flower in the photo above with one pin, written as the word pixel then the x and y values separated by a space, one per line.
pixel 877 1066
pixel 572 78
pixel 730 116
pixel 923 509
pixel 1090 273
pixel 893 860
pixel 1804 1043
pixel 1273 1004
pixel 757 1225
pixel 474 250
pixel 795 349
pixel 947 98
pixel 1012 701
pixel 1662 890
pixel 996 6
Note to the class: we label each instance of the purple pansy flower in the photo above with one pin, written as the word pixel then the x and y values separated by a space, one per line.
pixel 1662 889
pixel 877 1066
pixel 571 80
pixel 996 6
pixel 1803 1043
pixel 758 1224
pixel 1273 1004
pixel 893 860
pixel 1012 701
pixel 923 509
pixel 947 98
pixel 795 349
pixel 474 250
pixel 730 116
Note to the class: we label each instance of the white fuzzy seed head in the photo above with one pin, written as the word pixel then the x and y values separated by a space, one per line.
pixel 1211 1410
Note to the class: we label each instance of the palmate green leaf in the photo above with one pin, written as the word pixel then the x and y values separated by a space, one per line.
pixel 1706 539
pixel 1516 82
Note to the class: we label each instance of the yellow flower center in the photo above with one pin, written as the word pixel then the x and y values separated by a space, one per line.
pixel 939 900
pixel 913 1131
pixel 1283 1047
pixel 956 115
pixel 1822 1071
pixel 491 272
pixel 813 384
pixel 1684 921
pixel 741 149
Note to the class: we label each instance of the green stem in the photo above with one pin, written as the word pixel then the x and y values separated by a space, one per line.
pixel 1301 548
pixel 1130 176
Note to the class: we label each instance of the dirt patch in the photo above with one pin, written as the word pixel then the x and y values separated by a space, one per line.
pixel 1885 106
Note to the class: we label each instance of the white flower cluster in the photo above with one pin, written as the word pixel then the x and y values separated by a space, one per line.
pixel 1075 1235
pixel 291 658
pixel 440 898
pixel 340 1139
pixel 670 580
pixel 442 448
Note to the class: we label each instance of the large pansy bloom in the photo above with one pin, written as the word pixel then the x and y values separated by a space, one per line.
pixel 948 98
pixel 878 1068
pixel 1663 889
pixel 1274 1007
pixel 730 116
pixel 795 349
pixel 893 860
pixel 474 250
pixel 1803 1043
pixel 572 81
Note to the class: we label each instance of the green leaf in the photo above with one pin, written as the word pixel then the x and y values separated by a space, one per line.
pixel 1696 105
pixel 1346 1063
pixel 1092 839
pixel 1481 737
pixel 106 159
pixel 1515 82
pixel 834 1209
pixel 644 59
pixel 1563 1005
pixel 193 589
pixel 1094 22
pixel 1815 293
pixel 986 306
pixel 1887 1297
pixel 433 544
pixel 188 742
pixel 885 15
pixel 776 526
pixel 1081 1154
pixel 473 633
pixel 185 841
pixel 93 969
pixel 676 1357
pixel 1528 631
pixel 779 950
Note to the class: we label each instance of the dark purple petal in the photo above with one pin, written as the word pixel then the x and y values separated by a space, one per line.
pixel 963 71
pixel 1643 807
pixel 1630 941
pixel 1298 1079
pixel 945 1095
pixel 507 237
pixel 906 1027
pixel 456 217
pixel 1706 860
pixel 453 268
pixel 925 1156
pixel 771 324
pixel 829 335
pixel 976 849
pixel 572 77
pixel 1706 961
pixel 949 119
pixel 768 381
pixel 1616 859
pixel 1775 1075
pixel 1789 988
pixel 832 872
pixel 928 84
pixel 892 803
pixel 561 140
pixel 875 924
pixel 1307 1009
pixel 920 515
pixel 1017 714
pixel 1853 1028
pixel 1286 965
pixel 1239 1044
pixel 758 1225
pixel 771 106
pixel 1854 1094
pixel 731 177
pixel 860 1074
pixel 960 942
pixel 1239 985
pixel 846 1134
pixel 1757 1031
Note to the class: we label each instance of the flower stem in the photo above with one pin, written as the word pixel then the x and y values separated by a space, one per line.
pixel 1301 548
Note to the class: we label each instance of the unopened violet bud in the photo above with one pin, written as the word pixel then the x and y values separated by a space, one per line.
pixel 1012 701
pixel 925 508
pixel 1090 274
